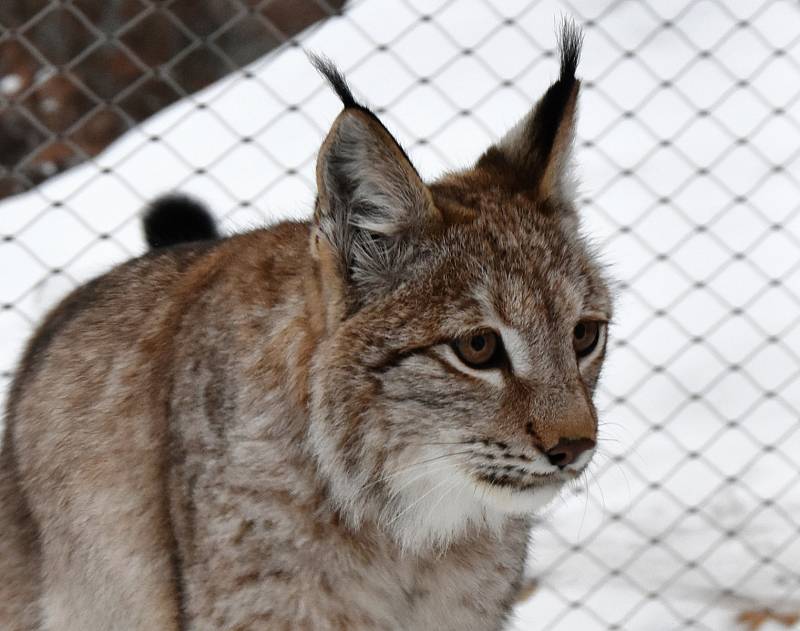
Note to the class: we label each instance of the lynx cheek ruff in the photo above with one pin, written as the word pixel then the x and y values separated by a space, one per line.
pixel 341 423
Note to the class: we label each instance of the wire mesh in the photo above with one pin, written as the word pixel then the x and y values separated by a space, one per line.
pixel 688 148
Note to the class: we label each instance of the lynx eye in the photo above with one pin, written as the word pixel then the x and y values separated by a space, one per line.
pixel 479 350
pixel 585 337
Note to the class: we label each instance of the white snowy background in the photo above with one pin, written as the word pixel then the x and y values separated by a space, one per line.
pixel 688 147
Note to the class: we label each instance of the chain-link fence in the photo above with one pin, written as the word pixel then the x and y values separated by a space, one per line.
pixel 688 148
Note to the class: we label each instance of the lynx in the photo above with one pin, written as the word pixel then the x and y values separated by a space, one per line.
pixel 339 424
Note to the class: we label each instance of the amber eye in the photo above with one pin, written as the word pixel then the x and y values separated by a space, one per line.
pixel 479 350
pixel 585 336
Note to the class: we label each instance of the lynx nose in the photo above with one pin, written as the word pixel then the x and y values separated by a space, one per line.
pixel 567 451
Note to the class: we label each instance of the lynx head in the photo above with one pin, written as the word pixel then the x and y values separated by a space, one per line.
pixel 465 324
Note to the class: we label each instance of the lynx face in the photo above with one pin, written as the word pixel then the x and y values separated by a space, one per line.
pixel 466 325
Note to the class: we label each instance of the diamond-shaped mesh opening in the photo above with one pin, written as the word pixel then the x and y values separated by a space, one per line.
pixel 51 23
pixel 688 151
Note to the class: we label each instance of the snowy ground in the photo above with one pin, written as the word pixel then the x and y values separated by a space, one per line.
pixel 692 514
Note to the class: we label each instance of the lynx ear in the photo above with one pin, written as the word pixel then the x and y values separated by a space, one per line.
pixel 535 154
pixel 371 199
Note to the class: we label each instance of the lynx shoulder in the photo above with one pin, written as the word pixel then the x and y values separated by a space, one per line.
pixel 344 423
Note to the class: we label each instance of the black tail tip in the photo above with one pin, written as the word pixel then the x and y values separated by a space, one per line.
pixel 174 219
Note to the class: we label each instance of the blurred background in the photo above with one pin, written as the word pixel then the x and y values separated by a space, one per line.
pixel 688 153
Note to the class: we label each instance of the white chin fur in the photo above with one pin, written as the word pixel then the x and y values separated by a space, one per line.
pixel 512 502
pixel 435 504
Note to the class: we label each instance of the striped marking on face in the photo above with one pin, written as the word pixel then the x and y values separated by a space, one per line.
pixel 516 348
pixel 493 376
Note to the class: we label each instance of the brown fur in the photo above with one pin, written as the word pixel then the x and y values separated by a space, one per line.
pixel 272 431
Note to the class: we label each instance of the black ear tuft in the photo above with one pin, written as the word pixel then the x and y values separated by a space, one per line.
pixel 570 48
pixel 336 79
pixel 534 154
pixel 174 219
pixel 333 75
pixel 552 105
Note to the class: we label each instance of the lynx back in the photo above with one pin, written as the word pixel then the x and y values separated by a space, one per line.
pixel 344 423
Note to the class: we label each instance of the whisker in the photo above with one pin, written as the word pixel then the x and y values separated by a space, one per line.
pixel 444 494
pixel 599 488
pixel 616 463
pixel 460 442
pixel 440 466
pixel 396 492
pixel 418 464
pixel 417 501
pixel 411 467
pixel 585 505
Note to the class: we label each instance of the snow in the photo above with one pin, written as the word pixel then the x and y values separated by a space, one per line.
pixel 691 514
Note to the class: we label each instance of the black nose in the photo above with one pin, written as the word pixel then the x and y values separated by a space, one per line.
pixel 567 451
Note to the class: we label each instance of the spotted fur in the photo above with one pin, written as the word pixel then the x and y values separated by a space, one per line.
pixel 274 431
